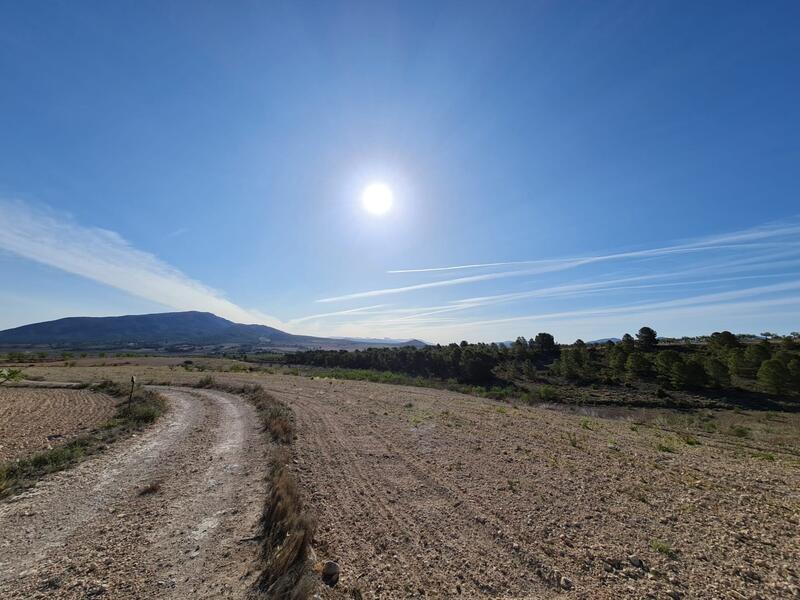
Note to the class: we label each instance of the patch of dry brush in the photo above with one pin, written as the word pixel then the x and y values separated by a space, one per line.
pixel 287 536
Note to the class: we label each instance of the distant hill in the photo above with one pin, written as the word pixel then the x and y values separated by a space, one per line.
pixel 387 341
pixel 604 341
pixel 164 330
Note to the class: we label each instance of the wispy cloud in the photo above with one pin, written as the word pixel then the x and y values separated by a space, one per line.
pixel 725 241
pixel 751 239
pixel 620 285
pixel 706 311
pixel 705 301
pixel 431 284
pixel 177 232
pixel 337 313
pixel 41 235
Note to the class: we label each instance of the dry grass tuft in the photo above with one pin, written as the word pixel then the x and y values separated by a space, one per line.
pixel 287 535
pixel 150 488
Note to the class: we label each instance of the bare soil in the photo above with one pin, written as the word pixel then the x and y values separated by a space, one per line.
pixel 425 493
pixel 168 514
pixel 429 493
pixel 38 419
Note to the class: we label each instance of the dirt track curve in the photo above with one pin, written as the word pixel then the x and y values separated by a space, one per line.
pixel 91 532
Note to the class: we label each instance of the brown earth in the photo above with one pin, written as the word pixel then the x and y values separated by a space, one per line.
pixel 38 419
pixel 427 493
pixel 170 513
pixel 422 492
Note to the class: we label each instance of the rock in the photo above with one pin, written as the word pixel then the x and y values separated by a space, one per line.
pixel 97 590
pixel 330 573
pixel 614 563
pixel 566 583
pixel 636 561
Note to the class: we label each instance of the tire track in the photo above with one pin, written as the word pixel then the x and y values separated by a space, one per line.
pixel 401 504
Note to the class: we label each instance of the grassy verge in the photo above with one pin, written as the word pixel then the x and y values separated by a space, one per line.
pixel 287 530
pixel 145 408
pixel 497 392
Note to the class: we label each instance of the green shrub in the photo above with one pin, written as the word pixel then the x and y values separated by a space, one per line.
pixel 547 393
pixel 663 548
pixel 773 376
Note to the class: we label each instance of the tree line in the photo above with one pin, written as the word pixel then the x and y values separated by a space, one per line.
pixel 771 363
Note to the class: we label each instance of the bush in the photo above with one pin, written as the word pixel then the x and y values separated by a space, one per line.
pixel 665 361
pixel 717 372
pixel 689 374
pixel 547 393
pixel 773 376
pixel 207 381
pixel 637 365
pixel 10 375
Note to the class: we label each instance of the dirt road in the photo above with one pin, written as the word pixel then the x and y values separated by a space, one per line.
pixel 164 514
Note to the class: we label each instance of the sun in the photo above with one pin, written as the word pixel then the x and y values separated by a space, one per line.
pixel 377 198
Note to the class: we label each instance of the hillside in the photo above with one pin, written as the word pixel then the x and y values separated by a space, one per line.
pixel 162 330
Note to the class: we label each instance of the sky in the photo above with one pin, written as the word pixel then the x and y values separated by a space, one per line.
pixel 582 168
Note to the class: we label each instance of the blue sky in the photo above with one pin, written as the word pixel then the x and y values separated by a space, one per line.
pixel 628 163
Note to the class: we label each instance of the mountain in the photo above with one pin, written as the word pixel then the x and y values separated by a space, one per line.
pixel 604 341
pixel 387 341
pixel 163 330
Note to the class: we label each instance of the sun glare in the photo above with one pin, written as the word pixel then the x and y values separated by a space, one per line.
pixel 377 198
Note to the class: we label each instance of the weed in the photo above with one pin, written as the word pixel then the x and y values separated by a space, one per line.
pixel 587 423
pixel 740 431
pixel 764 456
pixel 662 447
pixel 663 548
pixel 205 382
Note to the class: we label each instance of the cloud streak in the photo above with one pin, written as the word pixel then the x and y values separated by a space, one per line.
pixel 726 241
pixel 751 239
pixel 104 256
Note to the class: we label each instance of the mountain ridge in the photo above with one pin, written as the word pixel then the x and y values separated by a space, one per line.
pixel 165 329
